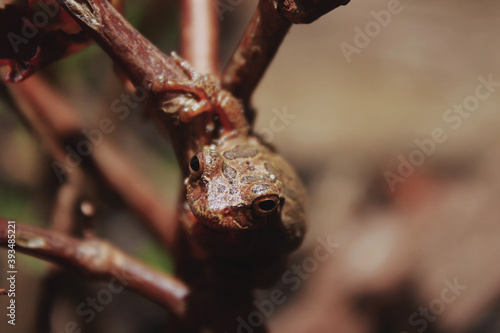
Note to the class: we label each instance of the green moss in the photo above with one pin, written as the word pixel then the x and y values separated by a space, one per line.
pixel 15 204
pixel 155 256
pixel 135 12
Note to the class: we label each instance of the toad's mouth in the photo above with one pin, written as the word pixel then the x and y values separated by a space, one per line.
pixel 224 221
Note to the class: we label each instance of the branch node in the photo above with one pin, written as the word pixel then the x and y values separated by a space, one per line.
pixel 306 11
pixel 30 240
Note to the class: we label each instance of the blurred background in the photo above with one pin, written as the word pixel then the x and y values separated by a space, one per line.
pixel 404 234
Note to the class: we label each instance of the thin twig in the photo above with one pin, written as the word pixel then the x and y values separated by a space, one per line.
pixel 262 39
pixel 255 52
pixel 63 217
pixel 47 115
pixel 200 35
pixel 99 260
pixel 45 112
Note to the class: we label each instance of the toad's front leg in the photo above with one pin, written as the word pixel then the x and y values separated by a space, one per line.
pixel 192 100
pixel 202 93
pixel 195 100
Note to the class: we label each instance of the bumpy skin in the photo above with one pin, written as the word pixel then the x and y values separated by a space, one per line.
pixel 236 172
pixel 226 231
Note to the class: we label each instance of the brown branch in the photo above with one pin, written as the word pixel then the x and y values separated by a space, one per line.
pixel 147 68
pixel 200 35
pixel 262 39
pixel 136 191
pixel 62 217
pixel 255 52
pixel 306 11
pixel 46 114
pixel 56 122
pixel 100 260
pixel 145 64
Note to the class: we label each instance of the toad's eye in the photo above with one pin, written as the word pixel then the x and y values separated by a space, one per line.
pixel 266 205
pixel 196 166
